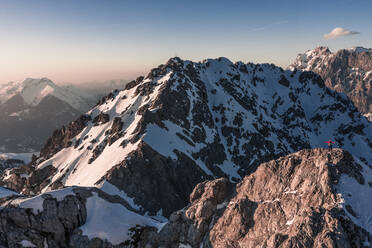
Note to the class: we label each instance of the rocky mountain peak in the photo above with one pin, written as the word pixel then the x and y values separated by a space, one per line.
pixel 299 199
pixel 348 71
pixel 186 122
pixel 321 50
pixel 190 121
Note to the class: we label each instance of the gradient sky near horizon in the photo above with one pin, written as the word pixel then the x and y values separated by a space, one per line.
pixel 86 40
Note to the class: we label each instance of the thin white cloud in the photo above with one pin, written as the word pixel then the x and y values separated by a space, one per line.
pixel 338 32
pixel 266 26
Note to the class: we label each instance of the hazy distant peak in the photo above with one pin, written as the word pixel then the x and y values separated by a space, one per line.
pixel 34 90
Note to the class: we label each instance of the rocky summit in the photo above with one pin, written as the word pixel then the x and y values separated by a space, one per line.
pixel 311 198
pixel 348 71
pixel 178 131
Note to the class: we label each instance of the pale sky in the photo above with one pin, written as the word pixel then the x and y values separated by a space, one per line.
pixel 86 40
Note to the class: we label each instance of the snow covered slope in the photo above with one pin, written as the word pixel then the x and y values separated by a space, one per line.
pixel 347 70
pixel 186 122
pixel 6 192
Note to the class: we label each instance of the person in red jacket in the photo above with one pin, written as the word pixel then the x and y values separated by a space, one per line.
pixel 329 142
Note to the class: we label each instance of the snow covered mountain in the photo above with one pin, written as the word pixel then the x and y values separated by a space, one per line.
pixel 348 71
pixel 32 109
pixel 149 145
pixel 187 122
pixel 33 91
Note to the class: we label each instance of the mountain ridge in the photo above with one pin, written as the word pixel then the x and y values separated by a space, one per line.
pixel 203 120
pixel 156 145
pixel 348 71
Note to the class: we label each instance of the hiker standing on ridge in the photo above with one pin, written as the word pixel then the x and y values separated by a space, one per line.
pixel 329 142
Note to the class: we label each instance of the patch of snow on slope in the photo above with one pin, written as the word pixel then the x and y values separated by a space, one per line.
pixel 166 142
pixel 74 163
pixel 26 243
pixel 6 192
pixel 112 190
pixel 184 246
pixel 112 221
pixel 36 203
pixel 359 197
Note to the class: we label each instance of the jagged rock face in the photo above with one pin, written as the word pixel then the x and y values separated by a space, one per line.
pixel 348 71
pixel 49 227
pixel 187 122
pixel 71 217
pixel 294 201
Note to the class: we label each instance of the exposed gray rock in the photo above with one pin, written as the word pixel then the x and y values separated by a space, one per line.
pixel 348 71
pixel 288 202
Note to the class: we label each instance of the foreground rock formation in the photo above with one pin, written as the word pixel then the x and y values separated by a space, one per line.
pixel 295 201
pixel 311 198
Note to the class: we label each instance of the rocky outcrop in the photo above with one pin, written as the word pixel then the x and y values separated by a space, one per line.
pixel 289 202
pixel 55 219
pixel 348 71
pixel 51 227
pixel 61 137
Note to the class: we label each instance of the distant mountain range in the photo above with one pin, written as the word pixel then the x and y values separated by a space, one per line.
pixel 100 89
pixel 12 160
pixel 32 109
pixel 201 154
pixel 348 71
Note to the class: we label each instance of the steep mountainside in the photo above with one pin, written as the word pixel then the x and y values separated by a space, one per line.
pixel 186 122
pixel 348 71
pixel 31 110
